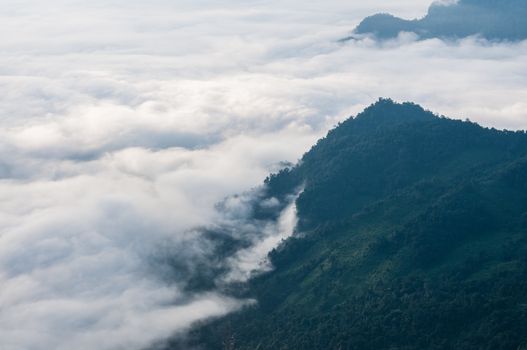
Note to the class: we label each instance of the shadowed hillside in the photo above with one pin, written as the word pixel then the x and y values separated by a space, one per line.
pixel 412 235
pixel 491 19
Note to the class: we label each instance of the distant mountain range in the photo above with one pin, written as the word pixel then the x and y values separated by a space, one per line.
pixel 412 235
pixel 491 19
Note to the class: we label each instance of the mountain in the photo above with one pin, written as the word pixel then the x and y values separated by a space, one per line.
pixel 412 234
pixel 491 19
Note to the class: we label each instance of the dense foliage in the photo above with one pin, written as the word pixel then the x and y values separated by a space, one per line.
pixel 412 235
pixel 492 19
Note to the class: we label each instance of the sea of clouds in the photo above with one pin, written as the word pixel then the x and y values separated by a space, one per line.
pixel 124 123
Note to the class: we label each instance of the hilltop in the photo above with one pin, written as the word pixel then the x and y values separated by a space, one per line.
pixel 412 235
pixel 490 19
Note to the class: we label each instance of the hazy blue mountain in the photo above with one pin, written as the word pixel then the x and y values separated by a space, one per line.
pixel 412 235
pixel 492 19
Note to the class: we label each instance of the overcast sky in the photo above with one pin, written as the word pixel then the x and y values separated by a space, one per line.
pixel 123 123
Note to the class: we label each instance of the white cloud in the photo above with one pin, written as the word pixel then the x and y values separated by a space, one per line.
pixel 445 2
pixel 254 260
pixel 123 123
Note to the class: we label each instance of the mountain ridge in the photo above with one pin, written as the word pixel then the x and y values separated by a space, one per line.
pixel 412 234
pixel 493 20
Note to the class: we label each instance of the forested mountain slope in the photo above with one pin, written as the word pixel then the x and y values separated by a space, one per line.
pixel 491 19
pixel 412 235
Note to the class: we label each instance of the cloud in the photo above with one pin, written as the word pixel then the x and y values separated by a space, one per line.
pixel 254 260
pixel 124 123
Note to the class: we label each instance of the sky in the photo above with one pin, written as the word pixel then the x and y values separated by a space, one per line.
pixel 124 123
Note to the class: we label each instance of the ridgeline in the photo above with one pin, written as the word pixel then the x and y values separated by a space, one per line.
pixel 412 235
